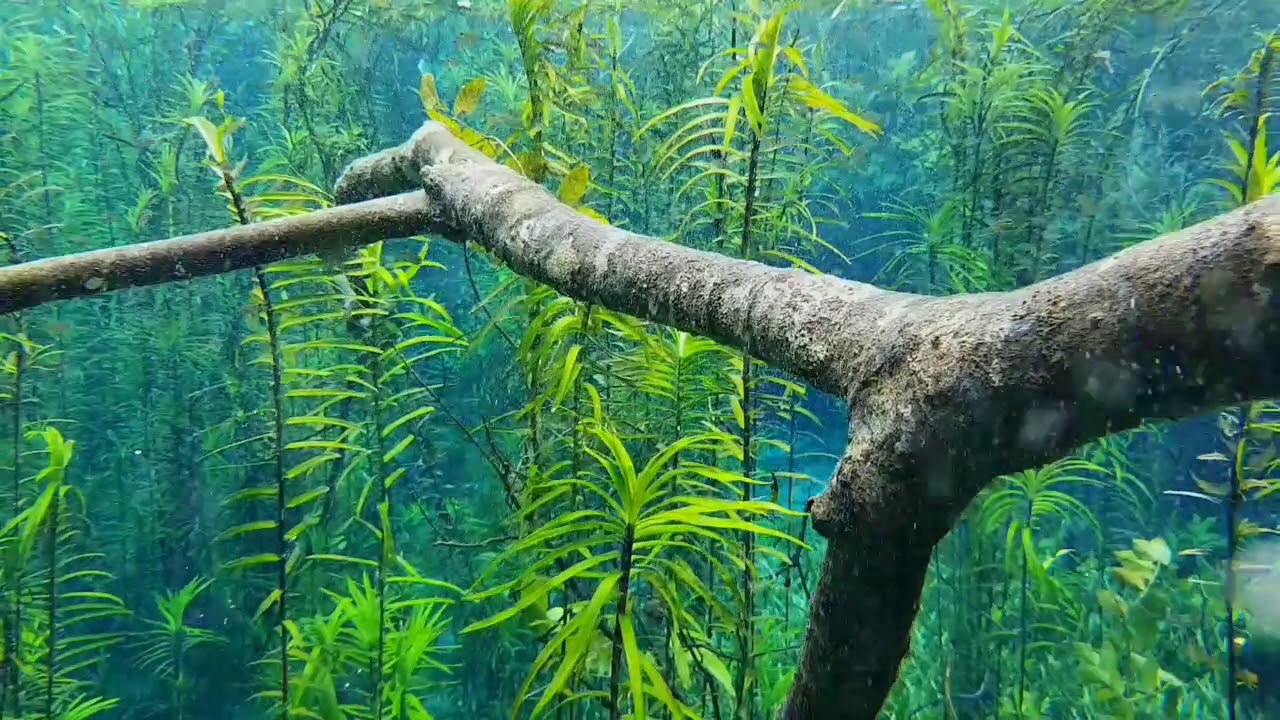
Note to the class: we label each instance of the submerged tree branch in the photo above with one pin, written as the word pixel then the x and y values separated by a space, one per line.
pixel 945 393
pixel 210 253
pixel 788 317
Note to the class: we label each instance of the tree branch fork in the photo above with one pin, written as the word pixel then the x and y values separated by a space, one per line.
pixel 945 393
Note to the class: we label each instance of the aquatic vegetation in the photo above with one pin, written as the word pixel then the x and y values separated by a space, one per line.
pixel 407 481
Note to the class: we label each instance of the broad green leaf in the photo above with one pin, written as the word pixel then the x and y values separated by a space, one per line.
pixel 1156 549
pixel 212 137
pixel 468 98
pixel 574 185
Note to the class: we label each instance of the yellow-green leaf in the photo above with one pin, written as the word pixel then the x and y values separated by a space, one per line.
pixel 468 98
pixel 813 96
pixel 716 668
pixel 731 120
pixel 323 445
pixel 755 116
pixel 212 138
pixel 428 93
pixel 407 417
pixel 311 463
pixel 532 597
pixel 574 185
pixel 1136 578
pixel 738 415
pixel 343 558
pixel 1156 549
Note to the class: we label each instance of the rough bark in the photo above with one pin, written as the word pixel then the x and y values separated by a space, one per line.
pixel 210 253
pixel 790 318
pixel 968 388
pixel 945 393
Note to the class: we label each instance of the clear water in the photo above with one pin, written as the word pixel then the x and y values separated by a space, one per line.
pixel 402 470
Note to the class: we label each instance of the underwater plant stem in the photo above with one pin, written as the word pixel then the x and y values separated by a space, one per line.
pixel 1043 205
pixel 1024 594
pixel 1248 412
pixel 277 406
pixel 386 538
pixel 746 640
pixel 12 634
pixel 179 674
pixel 790 503
pixel 1259 113
pixel 51 588
pixel 1246 417
pixel 622 609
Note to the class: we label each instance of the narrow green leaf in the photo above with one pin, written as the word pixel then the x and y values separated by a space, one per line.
pixel 245 528
pixel 251 560
pixel 405 442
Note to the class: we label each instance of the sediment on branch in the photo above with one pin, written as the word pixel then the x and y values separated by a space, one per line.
pixel 210 253
pixel 945 393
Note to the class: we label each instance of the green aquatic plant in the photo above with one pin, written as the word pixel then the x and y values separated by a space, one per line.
pixel 1053 129
pixel 364 632
pixel 1125 672
pixel 972 180
pixel 766 78
pixel 217 145
pixel 166 648
pixel 929 258
pixel 1256 171
pixel 630 546
pixel 1256 174
pixel 265 196
pixel 396 342
pixel 58 599
pixel 1023 507
pixel 24 357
